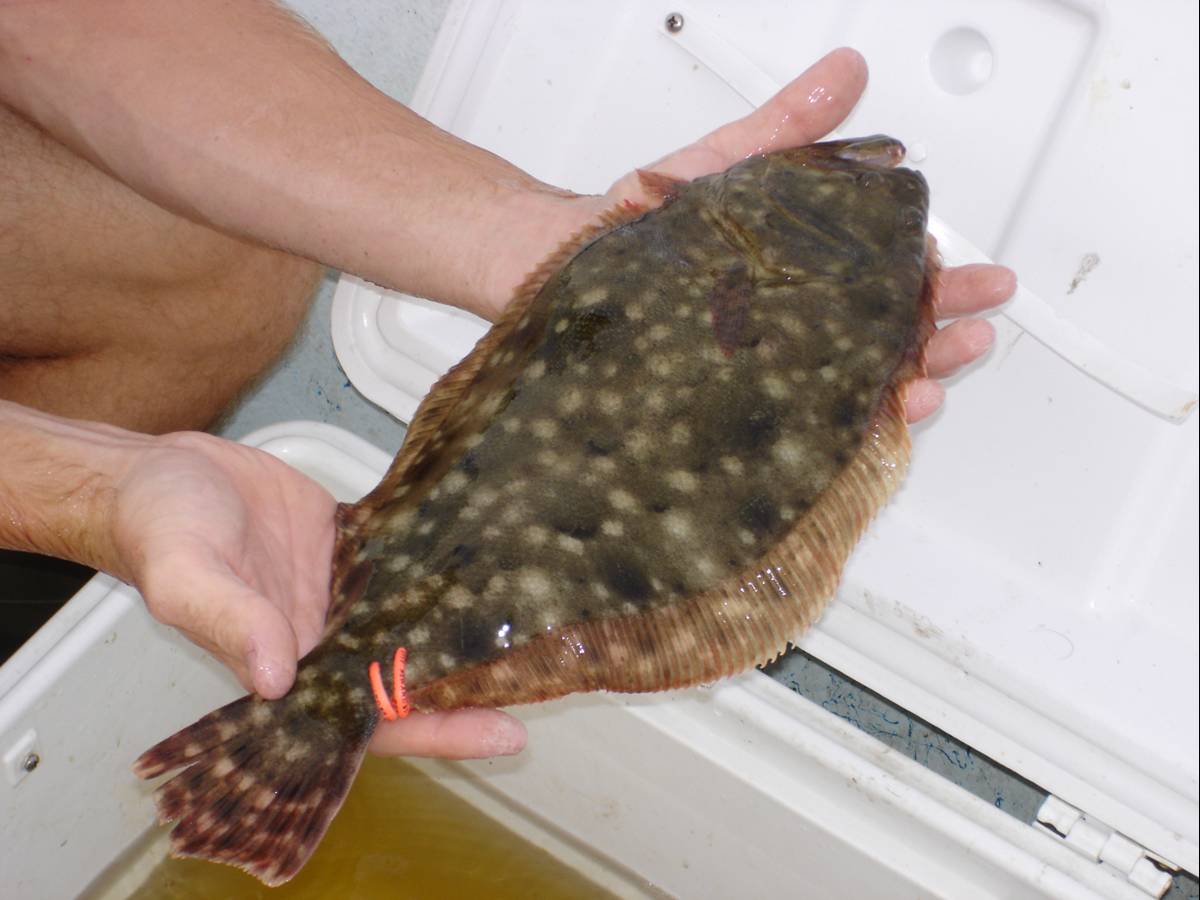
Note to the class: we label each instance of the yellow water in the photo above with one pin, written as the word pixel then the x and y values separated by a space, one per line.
pixel 399 835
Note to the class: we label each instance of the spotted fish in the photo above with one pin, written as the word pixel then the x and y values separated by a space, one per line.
pixel 648 474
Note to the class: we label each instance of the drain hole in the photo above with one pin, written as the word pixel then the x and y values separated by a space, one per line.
pixel 961 61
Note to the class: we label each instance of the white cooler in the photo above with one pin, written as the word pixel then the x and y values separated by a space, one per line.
pixel 1032 590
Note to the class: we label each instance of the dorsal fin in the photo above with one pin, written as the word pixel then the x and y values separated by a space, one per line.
pixel 746 620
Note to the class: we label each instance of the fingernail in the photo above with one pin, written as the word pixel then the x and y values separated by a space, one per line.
pixel 1006 287
pixel 265 674
pixel 506 738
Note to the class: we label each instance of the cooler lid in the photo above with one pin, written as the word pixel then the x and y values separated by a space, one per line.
pixel 1032 589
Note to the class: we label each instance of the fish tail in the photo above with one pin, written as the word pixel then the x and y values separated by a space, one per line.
pixel 260 782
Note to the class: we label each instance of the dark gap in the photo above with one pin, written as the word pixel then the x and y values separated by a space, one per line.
pixel 32 589
pixel 927 744
pixel 897 728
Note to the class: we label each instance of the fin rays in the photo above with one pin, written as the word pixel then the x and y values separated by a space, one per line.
pixel 259 784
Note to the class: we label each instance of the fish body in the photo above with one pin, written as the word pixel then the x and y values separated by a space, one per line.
pixel 648 475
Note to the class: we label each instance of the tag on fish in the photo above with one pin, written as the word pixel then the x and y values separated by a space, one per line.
pixel 648 475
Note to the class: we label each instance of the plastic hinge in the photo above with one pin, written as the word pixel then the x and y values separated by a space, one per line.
pixel 1098 842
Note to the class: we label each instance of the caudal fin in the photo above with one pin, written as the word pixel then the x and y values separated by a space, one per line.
pixel 261 782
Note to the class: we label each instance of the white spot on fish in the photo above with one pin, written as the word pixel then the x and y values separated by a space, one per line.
pixel 612 527
pixel 638 442
pixel 536 535
pixel 535 584
pixel 484 496
pixel 662 366
pixel 545 429
pixel 682 480
pixel 455 481
pixel 609 402
pixel 604 465
pixel 788 452
pixel 775 387
pixel 570 544
pixel 659 332
pixel 621 499
pixel 458 597
pixel 570 401
pixel 593 296
pixel 731 465
pixel 678 524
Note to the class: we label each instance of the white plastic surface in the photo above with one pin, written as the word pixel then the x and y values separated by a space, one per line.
pixel 1033 588
pixel 742 791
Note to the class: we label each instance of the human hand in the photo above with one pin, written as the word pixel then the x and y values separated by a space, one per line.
pixel 233 548
pixel 803 112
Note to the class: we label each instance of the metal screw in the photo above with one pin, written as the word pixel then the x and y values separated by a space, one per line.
pixel 31 762
pixel 674 22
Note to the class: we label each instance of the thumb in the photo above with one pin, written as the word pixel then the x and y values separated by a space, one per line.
pixel 224 615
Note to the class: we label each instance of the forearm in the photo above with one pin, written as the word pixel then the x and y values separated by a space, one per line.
pixel 235 114
pixel 57 482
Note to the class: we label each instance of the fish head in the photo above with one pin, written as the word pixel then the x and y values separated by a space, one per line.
pixel 827 211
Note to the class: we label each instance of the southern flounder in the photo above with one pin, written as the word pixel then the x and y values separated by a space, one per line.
pixel 648 474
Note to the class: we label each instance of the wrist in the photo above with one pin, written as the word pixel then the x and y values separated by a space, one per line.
pixel 528 226
pixel 58 486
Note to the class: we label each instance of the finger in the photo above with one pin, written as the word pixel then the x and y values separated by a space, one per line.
pixel 956 345
pixel 965 290
pixel 922 399
pixel 805 110
pixel 464 734
pixel 198 595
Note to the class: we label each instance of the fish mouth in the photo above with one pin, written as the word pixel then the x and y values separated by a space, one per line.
pixel 877 150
